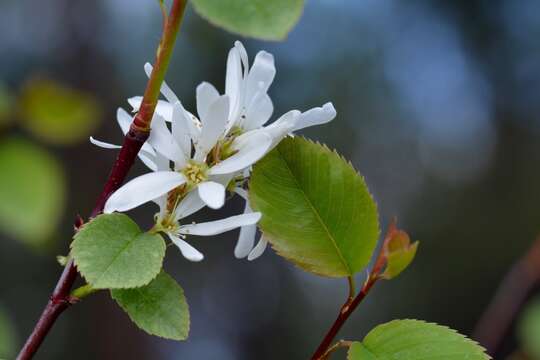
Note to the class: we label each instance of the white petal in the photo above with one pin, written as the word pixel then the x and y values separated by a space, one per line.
pixel 143 189
pixel 213 126
pixel 103 144
pixel 162 140
pixel 243 54
pixel 148 160
pixel 184 122
pixel 124 120
pixel 258 250
pixel 163 108
pixel 282 126
pixel 206 95
pixel 260 75
pixel 162 163
pixel 316 116
pixel 145 156
pixel 190 204
pixel 242 192
pixel 187 250
pixel 165 89
pixel 233 76
pixel 250 146
pixel 181 133
pixel 212 193
pixel 220 226
pixel 258 112
pixel 246 240
pixel 162 203
pixel 224 179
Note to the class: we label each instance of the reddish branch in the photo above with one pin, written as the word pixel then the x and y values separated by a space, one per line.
pixel 511 295
pixel 133 141
pixel 346 310
pixel 393 234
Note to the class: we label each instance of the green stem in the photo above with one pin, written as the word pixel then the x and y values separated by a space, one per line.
pixel 83 291
pixel 163 57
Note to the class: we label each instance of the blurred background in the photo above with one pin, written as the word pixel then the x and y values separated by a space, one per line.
pixel 438 107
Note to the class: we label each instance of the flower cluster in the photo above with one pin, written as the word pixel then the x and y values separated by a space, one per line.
pixel 194 161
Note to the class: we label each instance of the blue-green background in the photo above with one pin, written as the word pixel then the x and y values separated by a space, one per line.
pixel 438 107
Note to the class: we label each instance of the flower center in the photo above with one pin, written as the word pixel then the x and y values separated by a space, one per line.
pixel 195 173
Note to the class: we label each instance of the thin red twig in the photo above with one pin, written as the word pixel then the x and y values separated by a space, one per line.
pixel 346 310
pixel 133 141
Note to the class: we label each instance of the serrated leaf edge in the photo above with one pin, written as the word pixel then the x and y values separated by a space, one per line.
pixel 186 329
pixel 109 288
pixel 454 331
pixel 302 265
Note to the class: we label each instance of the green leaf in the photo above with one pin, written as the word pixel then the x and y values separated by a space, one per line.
pixel 317 210
pixel 399 261
pixel 159 308
pixel 413 340
pixel 358 351
pixel 7 337
pixel 398 252
pixel 262 19
pixel 32 189
pixel 57 113
pixel 111 252
pixel 529 329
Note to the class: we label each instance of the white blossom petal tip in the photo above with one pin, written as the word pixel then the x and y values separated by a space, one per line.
pixel 316 116
pixel 220 226
pixel 135 103
pixel 212 193
pixel 143 189
pixel 148 69
pixel 103 144
pixel 246 240
pixel 206 94
pixel 188 251
pixel 258 250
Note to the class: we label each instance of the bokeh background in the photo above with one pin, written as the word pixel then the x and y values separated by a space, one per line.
pixel 438 107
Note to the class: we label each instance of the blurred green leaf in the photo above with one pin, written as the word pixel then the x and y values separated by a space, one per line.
pixel 111 252
pixel 317 210
pixel 263 19
pixel 6 105
pixel 56 113
pixel 7 336
pixel 413 340
pixel 529 329
pixel 159 308
pixel 32 189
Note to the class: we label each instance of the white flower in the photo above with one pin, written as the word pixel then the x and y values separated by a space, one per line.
pixel 251 107
pixel 174 206
pixel 250 110
pixel 168 221
pixel 216 155
pixel 230 137
pixel 246 241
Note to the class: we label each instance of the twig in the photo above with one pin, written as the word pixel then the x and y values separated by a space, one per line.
pixel 376 273
pixel 346 310
pixel 508 300
pixel 133 141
